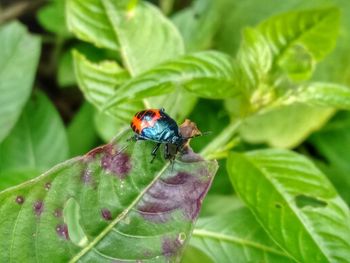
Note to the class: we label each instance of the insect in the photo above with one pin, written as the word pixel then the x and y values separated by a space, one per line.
pixel 157 126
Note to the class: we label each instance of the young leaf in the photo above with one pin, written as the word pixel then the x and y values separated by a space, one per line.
pixel 319 94
pixel 235 235
pixel 297 40
pixel 286 126
pixel 17 72
pixel 253 62
pixel 37 142
pixel 145 210
pixel 315 30
pixel 294 202
pixel 206 74
pixel 108 24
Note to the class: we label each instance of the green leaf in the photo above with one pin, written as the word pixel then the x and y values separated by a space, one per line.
pixel 17 70
pixel 99 82
pixel 215 204
pixel 242 14
pixel 81 135
pixel 285 127
pixel 235 235
pixel 253 63
pixel 299 39
pixel 315 30
pixel 304 105
pixel 178 104
pixel 146 210
pixel 294 202
pixel 89 21
pixel 319 94
pixel 193 254
pixel 333 145
pixel 107 24
pixel 206 74
pixel 52 17
pixel 37 142
pixel 107 126
pixel 199 23
pixel 281 51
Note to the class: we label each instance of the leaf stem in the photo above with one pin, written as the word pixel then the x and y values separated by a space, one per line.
pixel 221 141
pixel 166 6
pixel 202 233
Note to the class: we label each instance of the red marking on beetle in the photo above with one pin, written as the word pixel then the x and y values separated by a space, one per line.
pixel 106 214
pixel 139 122
pixel 62 231
pixel 58 212
pixel 38 207
pixel 47 186
pixel 170 247
pixel 116 162
pixel 19 199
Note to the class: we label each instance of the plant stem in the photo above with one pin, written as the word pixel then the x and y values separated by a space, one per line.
pixel 221 140
pixel 166 6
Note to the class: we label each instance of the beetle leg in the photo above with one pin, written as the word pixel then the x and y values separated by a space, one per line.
pixel 166 151
pixel 154 151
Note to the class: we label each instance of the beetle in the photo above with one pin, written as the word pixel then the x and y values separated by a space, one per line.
pixel 157 126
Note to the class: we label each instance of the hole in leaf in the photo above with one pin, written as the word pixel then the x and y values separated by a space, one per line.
pixel 304 200
pixel 278 205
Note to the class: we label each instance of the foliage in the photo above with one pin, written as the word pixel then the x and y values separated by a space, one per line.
pixel 257 80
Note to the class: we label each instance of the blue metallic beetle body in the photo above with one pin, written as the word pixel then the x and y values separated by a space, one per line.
pixel 157 126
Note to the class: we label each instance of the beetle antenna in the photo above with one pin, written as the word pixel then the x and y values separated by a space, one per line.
pixel 198 135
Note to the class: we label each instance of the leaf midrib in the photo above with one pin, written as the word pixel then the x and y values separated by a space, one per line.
pixel 202 233
pixel 109 228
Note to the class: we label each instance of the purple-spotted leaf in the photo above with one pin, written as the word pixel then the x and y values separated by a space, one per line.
pixel 109 205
